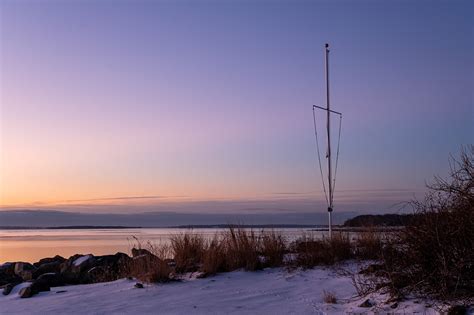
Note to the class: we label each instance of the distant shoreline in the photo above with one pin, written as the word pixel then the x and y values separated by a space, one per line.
pixel 203 226
pixel 316 228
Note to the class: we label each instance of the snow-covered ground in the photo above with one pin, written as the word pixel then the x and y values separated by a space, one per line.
pixel 271 291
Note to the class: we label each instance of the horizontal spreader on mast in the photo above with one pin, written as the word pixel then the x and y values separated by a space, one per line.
pixel 323 108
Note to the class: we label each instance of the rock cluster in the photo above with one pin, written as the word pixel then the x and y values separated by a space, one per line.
pixel 77 269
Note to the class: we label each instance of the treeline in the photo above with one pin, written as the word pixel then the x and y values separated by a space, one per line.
pixel 379 220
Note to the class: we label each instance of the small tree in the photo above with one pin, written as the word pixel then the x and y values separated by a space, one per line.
pixel 435 253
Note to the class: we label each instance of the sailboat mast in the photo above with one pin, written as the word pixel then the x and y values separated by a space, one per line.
pixel 329 141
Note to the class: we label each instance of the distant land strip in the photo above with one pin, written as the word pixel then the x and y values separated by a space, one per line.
pixel 203 226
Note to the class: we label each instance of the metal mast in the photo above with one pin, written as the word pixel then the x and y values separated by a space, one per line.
pixel 329 141
pixel 331 179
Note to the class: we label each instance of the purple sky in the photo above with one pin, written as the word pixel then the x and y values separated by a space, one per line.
pixel 210 102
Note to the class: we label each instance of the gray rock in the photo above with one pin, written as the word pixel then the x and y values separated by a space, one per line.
pixel 56 259
pixel 74 269
pixel 458 310
pixel 109 268
pixel 83 263
pixel 66 265
pixel 50 267
pixel 8 268
pixel 23 266
pixel 48 280
pixel 150 267
pixel 7 276
pixel 7 289
pixel 140 251
pixel 26 292
pixel 138 285
pixel 367 303
pixel 40 286
pixel 24 270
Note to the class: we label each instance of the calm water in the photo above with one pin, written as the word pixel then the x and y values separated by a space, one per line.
pixel 32 245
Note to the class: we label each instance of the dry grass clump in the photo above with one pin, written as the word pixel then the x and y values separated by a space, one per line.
pixel 148 263
pixel 340 247
pixel 214 257
pixel 230 250
pixel 368 245
pixel 149 269
pixel 273 248
pixel 239 248
pixel 188 249
pixel 435 253
pixel 242 249
pixel 312 252
pixel 329 297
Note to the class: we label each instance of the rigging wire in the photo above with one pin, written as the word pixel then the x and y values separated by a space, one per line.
pixel 337 154
pixel 319 156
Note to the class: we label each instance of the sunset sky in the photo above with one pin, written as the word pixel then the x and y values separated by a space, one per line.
pixel 157 105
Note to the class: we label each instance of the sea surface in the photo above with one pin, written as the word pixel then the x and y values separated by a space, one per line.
pixel 30 245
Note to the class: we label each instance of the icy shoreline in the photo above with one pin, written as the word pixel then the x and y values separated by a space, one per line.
pixel 271 291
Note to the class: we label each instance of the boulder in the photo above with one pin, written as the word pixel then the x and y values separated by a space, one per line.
pixel 7 277
pixel 57 259
pixel 147 260
pixel 83 263
pixel 43 283
pixel 113 260
pixel 140 251
pixel 7 274
pixel 66 265
pixel 367 303
pixel 458 310
pixel 98 274
pixel 82 269
pixel 26 292
pixel 8 268
pixel 50 280
pixel 7 289
pixel 144 262
pixel 110 268
pixel 74 269
pixel 150 268
pixel 49 267
pixel 40 286
pixel 24 270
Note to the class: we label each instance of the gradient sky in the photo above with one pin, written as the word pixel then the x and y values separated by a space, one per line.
pixel 178 102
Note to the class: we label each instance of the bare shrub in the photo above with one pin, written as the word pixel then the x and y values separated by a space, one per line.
pixel 435 252
pixel 329 297
pixel 188 249
pixel 366 284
